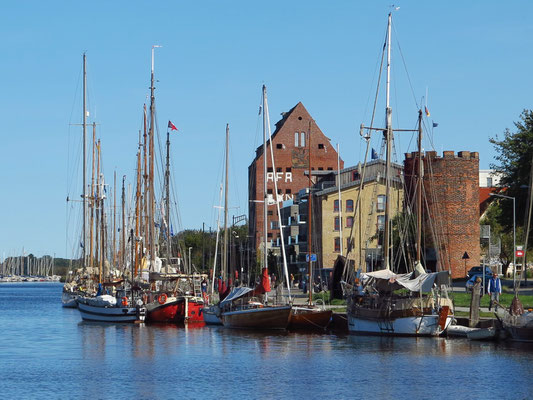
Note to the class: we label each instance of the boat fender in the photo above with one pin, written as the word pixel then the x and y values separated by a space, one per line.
pixel 125 301
pixel 145 299
pixel 162 299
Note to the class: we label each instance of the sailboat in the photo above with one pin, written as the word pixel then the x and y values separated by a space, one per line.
pixel 375 303
pixel 309 316
pixel 212 313
pixel 241 308
pixel 173 296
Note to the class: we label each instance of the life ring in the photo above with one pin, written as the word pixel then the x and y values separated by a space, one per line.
pixel 125 301
pixel 162 299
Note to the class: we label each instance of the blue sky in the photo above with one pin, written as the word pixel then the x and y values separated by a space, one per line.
pixel 473 58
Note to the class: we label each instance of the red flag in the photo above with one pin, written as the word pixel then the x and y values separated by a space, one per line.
pixel 427 112
pixel 171 126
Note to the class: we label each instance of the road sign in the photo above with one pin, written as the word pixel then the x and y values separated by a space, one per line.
pixel 313 257
pixel 520 253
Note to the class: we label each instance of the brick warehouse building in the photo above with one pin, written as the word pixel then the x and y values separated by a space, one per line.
pixel 451 192
pixel 291 158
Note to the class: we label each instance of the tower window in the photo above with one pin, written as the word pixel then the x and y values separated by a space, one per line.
pixel 321 146
pixel 279 146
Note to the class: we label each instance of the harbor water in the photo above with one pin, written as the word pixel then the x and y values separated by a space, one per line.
pixel 46 351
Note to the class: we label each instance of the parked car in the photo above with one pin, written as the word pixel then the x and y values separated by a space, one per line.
pixel 472 280
pixel 479 271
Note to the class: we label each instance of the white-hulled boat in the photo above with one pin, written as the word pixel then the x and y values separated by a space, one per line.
pixel 106 308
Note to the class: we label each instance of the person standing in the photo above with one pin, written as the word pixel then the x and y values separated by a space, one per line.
pixel 494 289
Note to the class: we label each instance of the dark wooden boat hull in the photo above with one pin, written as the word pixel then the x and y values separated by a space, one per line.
pixel 309 318
pixel 258 318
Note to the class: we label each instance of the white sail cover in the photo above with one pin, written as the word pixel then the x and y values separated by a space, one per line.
pixel 385 279
pixel 235 294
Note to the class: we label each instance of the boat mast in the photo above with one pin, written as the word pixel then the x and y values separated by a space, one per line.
pixel 265 197
pixel 226 179
pixel 151 204
pixel 309 219
pixel 216 243
pixel 419 192
pixel 93 199
pixel 123 228
pixel 167 201
pixel 114 215
pixel 84 160
pixel 388 132
pixel 98 250
pixel 145 183
pixel 137 208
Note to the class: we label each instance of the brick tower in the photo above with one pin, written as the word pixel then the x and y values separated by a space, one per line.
pixel 291 158
pixel 451 193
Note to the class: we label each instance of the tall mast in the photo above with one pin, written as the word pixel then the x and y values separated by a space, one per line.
pixel 419 192
pixel 93 199
pixel 123 229
pixel 226 192
pixel 388 128
pixel 309 220
pixel 265 197
pixel 97 214
pixel 151 204
pixel 339 194
pixel 137 208
pixel 84 159
pixel 114 216
pixel 144 210
pixel 167 201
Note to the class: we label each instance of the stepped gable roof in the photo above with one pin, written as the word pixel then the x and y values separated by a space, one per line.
pixel 285 116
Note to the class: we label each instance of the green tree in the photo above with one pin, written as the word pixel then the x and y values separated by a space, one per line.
pixel 514 163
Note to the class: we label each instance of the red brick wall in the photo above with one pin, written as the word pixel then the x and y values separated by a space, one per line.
pixel 296 158
pixel 451 187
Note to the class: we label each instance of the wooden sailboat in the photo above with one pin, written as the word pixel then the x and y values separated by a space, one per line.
pixel 373 305
pixel 172 297
pixel 309 316
pixel 240 309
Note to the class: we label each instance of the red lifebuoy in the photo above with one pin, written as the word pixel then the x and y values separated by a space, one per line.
pixel 125 301
pixel 162 299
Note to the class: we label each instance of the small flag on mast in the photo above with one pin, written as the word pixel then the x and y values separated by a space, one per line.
pixel 171 126
pixel 427 111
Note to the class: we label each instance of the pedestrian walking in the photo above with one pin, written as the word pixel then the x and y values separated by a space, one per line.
pixel 494 290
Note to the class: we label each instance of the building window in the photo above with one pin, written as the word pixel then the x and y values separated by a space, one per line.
pixel 302 139
pixel 381 202
pixel 349 222
pixel 279 146
pixel 279 169
pixel 330 169
pixel 269 234
pixel 269 191
pixel 336 206
pixel 269 169
pixel 355 176
pixel 274 225
pixel 337 224
pixel 381 222
pixel 349 243
pixel 288 191
pixel 320 146
pixel 349 205
pixel 279 191
pixel 269 212
pixel 337 245
pixel 296 136
pixel 489 182
pixel 320 168
pixel 288 169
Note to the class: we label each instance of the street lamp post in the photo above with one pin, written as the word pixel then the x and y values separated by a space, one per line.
pixel 514 233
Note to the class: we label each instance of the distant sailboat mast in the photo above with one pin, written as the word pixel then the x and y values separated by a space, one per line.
pixel 84 234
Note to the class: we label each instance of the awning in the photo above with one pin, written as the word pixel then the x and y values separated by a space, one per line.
pixel 234 295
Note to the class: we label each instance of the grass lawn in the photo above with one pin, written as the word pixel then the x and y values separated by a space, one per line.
pixel 482 314
pixel 462 299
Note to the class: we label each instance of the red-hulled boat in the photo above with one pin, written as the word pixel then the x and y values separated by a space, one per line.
pixel 190 309
pixel 171 309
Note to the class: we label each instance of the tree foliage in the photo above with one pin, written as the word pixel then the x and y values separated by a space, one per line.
pixel 514 163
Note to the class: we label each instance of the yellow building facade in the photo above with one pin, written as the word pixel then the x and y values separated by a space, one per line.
pixel 352 231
